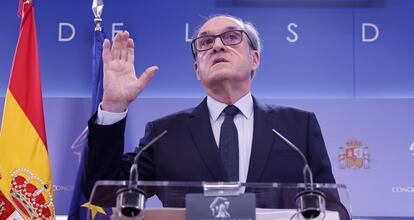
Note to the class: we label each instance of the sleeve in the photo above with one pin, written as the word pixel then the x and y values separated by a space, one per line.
pixel 103 157
pixel 109 118
pixel 317 154
pixel 321 167
pixel 146 162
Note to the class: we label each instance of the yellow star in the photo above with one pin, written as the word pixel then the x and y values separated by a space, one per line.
pixel 94 209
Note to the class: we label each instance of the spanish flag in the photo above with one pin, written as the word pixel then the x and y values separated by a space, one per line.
pixel 25 177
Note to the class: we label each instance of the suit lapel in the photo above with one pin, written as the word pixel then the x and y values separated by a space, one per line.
pixel 262 141
pixel 200 129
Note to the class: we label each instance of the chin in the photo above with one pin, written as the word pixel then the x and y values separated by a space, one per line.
pixel 219 76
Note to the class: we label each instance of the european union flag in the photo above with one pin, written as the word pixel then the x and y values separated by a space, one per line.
pixel 77 209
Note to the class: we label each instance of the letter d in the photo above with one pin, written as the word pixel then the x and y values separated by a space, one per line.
pixel 68 25
pixel 376 32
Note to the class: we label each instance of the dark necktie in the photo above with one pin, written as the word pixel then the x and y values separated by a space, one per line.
pixel 229 143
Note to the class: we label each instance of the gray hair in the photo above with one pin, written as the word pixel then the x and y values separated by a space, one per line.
pixel 251 31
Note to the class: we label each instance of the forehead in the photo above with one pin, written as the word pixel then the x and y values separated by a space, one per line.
pixel 219 24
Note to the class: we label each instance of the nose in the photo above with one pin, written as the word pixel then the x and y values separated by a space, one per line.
pixel 218 45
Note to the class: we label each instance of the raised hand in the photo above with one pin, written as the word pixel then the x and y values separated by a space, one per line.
pixel 121 85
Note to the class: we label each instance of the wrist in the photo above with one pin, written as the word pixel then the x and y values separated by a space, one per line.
pixel 116 107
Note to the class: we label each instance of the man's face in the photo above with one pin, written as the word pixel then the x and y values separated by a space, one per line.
pixel 221 64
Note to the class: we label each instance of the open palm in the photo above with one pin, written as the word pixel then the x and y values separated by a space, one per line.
pixel 121 85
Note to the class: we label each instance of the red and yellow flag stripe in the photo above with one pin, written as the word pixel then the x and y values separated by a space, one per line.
pixel 25 175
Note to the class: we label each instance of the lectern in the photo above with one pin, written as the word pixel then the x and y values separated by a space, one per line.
pixel 219 200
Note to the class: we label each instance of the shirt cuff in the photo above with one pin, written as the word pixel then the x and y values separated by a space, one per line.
pixel 109 118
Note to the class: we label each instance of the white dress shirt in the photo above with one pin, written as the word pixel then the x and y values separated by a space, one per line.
pixel 243 122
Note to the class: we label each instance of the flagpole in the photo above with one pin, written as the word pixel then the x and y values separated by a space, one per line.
pixel 97 8
pixel 25 167
pixel 80 208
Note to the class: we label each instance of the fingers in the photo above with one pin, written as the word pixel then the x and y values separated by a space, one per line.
pixel 124 48
pixel 130 50
pixel 106 53
pixel 119 47
pixel 116 46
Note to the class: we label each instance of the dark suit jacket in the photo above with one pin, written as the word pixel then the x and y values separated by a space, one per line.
pixel 188 151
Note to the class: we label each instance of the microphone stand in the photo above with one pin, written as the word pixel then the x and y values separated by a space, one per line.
pixel 130 201
pixel 310 203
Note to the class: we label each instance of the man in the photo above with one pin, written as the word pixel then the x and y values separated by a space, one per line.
pixel 227 137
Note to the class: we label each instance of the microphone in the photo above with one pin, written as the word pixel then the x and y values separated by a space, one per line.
pixel 130 201
pixel 310 203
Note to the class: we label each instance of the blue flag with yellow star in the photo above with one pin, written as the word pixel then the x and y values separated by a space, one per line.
pixel 79 206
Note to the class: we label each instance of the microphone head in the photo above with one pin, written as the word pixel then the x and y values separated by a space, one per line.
pixel 311 204
pixel 130 202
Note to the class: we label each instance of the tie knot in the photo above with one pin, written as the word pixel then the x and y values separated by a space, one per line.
pixel 231 110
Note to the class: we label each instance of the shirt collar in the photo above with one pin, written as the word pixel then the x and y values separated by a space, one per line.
pixel 244 104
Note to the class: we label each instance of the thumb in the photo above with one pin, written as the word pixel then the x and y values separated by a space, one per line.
pixel 145 77
pixel 148 74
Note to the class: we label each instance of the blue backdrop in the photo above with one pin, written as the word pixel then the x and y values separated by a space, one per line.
pixel 349 61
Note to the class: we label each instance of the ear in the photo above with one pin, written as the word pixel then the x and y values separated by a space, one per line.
pixel 196 70
pixel 255 60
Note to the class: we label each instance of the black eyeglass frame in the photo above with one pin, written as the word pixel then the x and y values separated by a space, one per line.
pixel 195 51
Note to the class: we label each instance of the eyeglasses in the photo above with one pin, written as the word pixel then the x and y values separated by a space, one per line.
pixel 228 38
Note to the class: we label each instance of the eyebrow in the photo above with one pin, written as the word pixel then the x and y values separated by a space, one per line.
pixel 228 28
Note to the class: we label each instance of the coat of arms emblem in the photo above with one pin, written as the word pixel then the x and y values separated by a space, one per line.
pixel 30 195
pixel 355 155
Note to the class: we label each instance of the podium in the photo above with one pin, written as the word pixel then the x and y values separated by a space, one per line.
pixel 167 200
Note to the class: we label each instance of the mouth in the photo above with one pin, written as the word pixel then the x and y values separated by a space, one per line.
pixel 219 60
